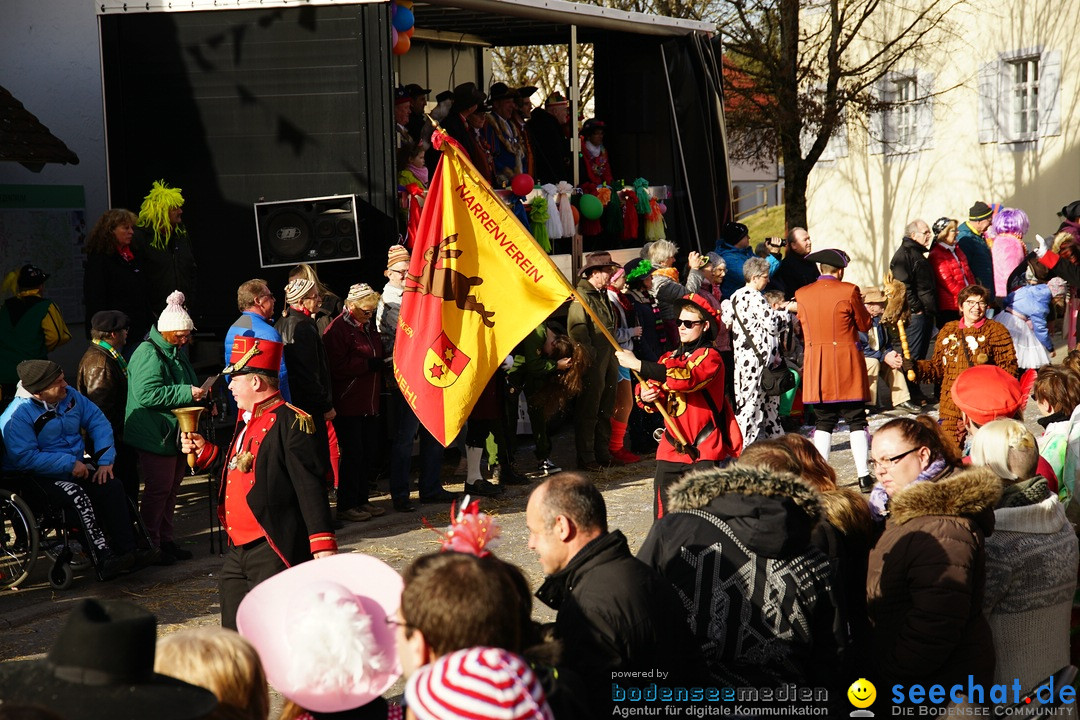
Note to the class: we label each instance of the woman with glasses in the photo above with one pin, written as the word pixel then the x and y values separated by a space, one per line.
pixel 972 340
pixel 755 328
pixel 926 574
pixel 354 352
pixel 689 383
pixel 160 379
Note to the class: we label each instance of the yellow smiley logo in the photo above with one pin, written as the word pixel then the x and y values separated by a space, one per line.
pixel 862 693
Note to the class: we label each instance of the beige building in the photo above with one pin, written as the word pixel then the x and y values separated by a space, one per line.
pixel 984 112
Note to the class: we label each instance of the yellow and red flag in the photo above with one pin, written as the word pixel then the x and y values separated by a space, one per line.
pixel 477 284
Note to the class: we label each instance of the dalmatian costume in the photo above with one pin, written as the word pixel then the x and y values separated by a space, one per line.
pixel 756 414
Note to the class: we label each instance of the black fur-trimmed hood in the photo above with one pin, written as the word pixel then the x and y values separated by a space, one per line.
pixel 698 488
pixel 772 513
pixel 972 492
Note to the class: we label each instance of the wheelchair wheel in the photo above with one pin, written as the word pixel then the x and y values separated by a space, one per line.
pixel 18 540
pixel 61 574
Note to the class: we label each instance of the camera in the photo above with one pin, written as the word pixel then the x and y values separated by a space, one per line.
pixel 776 241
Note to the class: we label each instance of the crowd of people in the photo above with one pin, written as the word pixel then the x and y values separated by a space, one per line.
pixel 930 564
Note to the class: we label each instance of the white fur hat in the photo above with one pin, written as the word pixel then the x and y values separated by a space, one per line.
pixel 174 316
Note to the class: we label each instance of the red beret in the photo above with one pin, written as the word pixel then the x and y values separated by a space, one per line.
pixel 986 392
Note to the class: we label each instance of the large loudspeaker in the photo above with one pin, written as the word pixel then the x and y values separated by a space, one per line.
pixel 307 230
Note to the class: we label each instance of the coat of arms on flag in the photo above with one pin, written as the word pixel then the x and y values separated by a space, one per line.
pixel 477 284
pixel 444 362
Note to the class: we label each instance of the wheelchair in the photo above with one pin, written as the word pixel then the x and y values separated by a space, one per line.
pixel 32 523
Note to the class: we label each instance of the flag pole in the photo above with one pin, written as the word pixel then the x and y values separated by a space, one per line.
pixel 679 438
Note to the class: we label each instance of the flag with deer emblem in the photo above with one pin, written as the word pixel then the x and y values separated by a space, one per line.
pixel 477 284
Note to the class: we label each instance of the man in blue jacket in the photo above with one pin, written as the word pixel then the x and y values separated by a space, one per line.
pixel 256 304
pixel 734 247
pixel 969 237
pixel 43 431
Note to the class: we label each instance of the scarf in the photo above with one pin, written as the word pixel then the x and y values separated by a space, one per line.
pixel 113 354
pixel 879 499
pixel 1024 492
pixel 125 252
pixel 421 173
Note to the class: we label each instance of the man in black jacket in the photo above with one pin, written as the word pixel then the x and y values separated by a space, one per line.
pixel 795 270
pixel 272 499
pixel 910 266
pixel 550 144
pixel 615 613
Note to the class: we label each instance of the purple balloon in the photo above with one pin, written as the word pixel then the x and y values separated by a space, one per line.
pixel 393 37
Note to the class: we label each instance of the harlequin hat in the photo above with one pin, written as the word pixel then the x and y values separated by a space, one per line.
pixel 102 666
pixel 592 124
pixel 986 392
pixel 829 256
pixel 320 630
pixel 700 302
pixel 254 355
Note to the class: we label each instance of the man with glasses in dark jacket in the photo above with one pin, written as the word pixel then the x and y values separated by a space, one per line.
pixel 615 613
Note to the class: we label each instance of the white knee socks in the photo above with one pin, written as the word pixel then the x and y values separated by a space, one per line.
pixel 860 448
pixel 473 455
pixel 823 442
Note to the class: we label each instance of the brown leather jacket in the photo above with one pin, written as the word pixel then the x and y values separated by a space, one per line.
pixel 101 380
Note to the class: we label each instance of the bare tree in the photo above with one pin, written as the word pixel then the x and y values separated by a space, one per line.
pixel 804 66
pixel 545 66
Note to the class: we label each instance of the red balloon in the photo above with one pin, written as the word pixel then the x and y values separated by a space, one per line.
pixel 577 215
pixel 408 33
pixel 522 184
pixel 403 43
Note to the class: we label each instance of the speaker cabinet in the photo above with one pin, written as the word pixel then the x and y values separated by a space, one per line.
pixel 307 230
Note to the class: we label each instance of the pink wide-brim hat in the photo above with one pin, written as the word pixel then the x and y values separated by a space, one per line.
pixel 272 607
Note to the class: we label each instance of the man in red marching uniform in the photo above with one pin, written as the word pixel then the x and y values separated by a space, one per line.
pixel 272 501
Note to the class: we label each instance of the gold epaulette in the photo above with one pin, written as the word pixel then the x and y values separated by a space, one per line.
pixel 307 424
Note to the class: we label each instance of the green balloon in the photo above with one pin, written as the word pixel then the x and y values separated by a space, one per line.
pixel 590 207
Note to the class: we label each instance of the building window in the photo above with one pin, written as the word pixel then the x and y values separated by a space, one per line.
pixel 905 122
pixel 1019 97
pixel 1024 75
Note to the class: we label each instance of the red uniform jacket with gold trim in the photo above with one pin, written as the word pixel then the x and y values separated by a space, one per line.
pixel 687 380
pixel 287 497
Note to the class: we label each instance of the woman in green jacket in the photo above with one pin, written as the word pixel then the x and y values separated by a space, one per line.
pixel 161 378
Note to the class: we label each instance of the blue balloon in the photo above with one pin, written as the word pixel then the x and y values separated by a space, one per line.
pixel 403 19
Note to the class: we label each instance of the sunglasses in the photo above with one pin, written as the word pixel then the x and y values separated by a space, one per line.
pixel 690 323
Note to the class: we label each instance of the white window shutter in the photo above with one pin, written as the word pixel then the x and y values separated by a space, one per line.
pixel 1050 93
pixel 838 147
pixel 989 83
pixel 876 144
pixel 925 117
